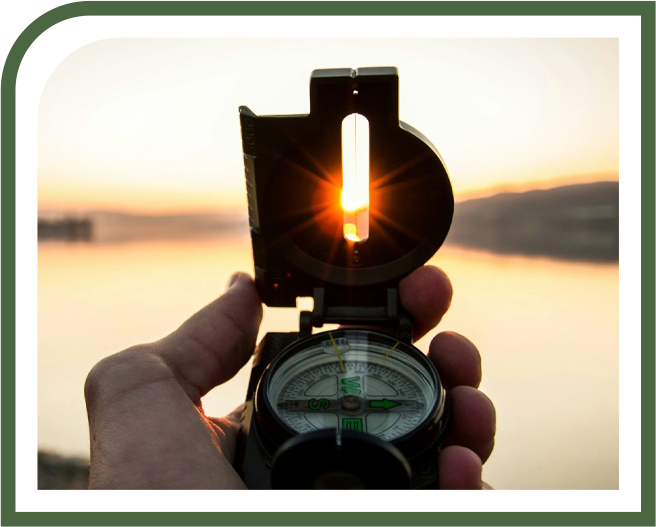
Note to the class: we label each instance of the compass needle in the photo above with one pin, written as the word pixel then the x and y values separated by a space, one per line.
pixel 385 404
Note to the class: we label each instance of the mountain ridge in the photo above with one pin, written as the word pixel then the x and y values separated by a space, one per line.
pixel 578 222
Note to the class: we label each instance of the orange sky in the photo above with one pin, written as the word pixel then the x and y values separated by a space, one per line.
pixel 151 125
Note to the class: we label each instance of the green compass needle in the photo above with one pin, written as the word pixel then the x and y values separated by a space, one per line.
pixel 385 404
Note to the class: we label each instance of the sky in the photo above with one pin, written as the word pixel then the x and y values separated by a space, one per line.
pixel 150 126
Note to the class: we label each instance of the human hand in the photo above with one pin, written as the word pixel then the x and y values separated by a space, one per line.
pixel 147 425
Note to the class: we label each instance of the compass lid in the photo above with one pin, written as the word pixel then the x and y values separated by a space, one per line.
pixel 297 170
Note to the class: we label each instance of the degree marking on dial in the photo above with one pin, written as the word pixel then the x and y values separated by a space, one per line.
pixel 339 357
pixel 391 350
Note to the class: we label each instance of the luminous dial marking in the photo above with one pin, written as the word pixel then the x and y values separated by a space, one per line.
pixel 330 405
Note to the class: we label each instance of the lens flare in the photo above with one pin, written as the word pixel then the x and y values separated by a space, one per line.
pixel 355 177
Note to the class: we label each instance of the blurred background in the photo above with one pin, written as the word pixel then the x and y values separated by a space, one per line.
pixel 142 219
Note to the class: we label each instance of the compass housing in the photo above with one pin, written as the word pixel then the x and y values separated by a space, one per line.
pixel 418 442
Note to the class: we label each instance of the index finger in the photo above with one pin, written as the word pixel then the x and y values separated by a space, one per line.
pixel 426 294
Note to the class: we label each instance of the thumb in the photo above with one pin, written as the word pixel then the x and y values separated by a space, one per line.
pixel 213 345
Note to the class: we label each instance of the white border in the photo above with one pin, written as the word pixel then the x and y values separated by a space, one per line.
pixel 64 38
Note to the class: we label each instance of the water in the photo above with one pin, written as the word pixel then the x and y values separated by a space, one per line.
pixel 547 330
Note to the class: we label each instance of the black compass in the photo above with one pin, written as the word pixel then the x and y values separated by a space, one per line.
pixel 343 203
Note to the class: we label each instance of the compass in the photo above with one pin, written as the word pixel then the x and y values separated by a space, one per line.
pixel 343 203
pixel 356 380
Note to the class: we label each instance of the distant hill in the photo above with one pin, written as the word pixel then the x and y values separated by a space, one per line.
pixel 579 222
pixel 119 227
pixel 64 473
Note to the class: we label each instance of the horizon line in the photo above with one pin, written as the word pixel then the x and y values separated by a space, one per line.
pixel 487 192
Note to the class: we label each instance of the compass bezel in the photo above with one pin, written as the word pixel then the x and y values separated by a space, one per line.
pixel 414 444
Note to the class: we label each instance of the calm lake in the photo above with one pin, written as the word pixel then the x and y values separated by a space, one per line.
pixel 547 330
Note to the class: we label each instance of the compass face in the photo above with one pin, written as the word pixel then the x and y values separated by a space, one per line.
pixel 353 380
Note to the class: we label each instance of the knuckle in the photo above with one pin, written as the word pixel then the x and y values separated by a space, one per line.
pixel 108 372
pixel 95 377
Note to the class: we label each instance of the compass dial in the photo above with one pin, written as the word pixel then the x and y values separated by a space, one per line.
pixel 353 380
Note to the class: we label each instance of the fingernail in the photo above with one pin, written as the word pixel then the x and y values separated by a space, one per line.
pixel 233 280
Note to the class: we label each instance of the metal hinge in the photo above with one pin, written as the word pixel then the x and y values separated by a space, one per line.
pixel 389 316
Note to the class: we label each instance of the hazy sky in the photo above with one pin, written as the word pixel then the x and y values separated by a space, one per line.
pixel 151 125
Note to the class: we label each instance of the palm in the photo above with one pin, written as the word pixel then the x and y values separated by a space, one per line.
pixel 148 428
